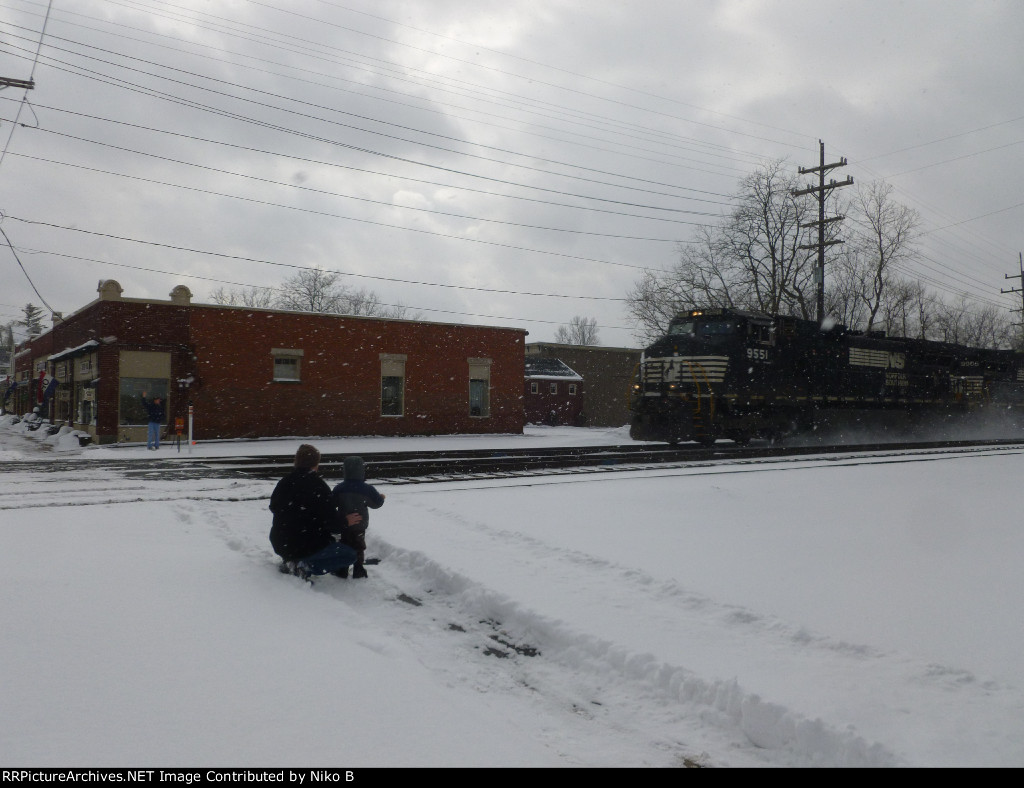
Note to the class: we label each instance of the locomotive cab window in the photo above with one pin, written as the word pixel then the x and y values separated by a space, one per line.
pixel 717 328
pixel 761 334
pixel 710 328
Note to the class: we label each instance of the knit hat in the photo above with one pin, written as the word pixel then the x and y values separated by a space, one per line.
pixel 307 456
pixel 354 469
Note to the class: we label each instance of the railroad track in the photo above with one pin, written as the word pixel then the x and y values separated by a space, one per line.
pixel 430 466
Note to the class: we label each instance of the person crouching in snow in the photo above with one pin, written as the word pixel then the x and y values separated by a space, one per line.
pixel 306 518
pixel 354 495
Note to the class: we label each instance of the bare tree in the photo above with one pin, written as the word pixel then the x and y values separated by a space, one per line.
pixel 763 240
pixel 367 302
pixel 924 305
pixel 753 260
pixel 312 290
pixel 843 287
pixel 965 323
pixel 900 309
pixel 580 331
pixel 256 297
pixel 949 320
pixel 988 327
pixel 654 300
pixel 884 237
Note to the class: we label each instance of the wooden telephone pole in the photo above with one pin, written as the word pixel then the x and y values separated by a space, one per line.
pixel 1020 257
pixel 822 190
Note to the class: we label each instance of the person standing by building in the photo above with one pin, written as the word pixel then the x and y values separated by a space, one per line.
pixel 155 410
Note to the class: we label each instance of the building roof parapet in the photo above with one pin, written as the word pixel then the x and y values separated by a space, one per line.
pixel 541 347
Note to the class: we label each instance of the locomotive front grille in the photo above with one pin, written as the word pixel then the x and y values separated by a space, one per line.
pixel 691 371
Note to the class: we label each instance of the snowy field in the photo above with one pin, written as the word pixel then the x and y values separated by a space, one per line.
pixel 814 612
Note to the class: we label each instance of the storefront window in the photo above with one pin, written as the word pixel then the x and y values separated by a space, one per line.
pixel 130 399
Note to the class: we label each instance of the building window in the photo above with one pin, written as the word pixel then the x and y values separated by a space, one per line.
pixel 287 364
pixel 479 401
pixel 572 389
pixel 85 396
pixel 392 384
pixel 480 387
pixel 131 408
pixel 554 388
pixel 286 368
pixel 534 387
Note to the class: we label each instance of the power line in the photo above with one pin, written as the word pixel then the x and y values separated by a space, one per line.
pixel 351 127
pixel 295 266
pixel 180 275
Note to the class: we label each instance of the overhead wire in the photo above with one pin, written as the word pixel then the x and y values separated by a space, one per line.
pixel 10 136
pixel 279 288
pixel 908 171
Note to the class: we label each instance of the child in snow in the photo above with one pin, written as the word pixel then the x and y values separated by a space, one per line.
pixel 355 496
pixel 305 519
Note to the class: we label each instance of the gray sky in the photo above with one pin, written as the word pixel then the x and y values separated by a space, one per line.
pixel 504 163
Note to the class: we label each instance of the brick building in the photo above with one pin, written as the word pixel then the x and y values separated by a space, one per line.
pixel 608 374
pixel 553 392
pixel 249 372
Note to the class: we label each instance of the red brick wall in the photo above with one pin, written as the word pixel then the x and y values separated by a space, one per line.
pixel 339 391
pixel 25 397
pixel 135 326
pixel 122 325
pixel 228 353
pixel 547 408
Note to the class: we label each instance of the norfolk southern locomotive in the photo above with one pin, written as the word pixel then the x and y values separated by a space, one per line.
pixel 725 373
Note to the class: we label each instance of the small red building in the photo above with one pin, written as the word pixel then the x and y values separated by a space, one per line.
pixel 553 392
pixel 241 372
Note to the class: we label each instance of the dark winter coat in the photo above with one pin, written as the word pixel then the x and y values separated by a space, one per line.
pixel 304 515
pixel 355 495
pixel 154 409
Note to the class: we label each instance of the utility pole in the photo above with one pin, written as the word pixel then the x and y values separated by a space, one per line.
pixel 1020 257
pixel 822 190
pixel 8 82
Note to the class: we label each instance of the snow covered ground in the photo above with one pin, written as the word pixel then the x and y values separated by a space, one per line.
pixel 813 612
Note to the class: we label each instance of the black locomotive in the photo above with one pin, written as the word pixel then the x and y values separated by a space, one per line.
pixel 726 373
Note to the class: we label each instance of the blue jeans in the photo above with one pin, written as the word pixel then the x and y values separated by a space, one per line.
pixel 334 556
pixel 153 437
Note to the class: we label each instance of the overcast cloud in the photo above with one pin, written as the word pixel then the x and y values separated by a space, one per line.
pixel 506 163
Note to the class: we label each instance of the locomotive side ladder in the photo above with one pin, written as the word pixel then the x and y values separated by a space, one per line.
pixel 702 418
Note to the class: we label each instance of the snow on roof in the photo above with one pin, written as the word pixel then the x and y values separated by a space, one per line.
pixel 549 368
pixel 74 351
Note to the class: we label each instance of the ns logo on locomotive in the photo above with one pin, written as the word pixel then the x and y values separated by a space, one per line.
pixel 728 373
